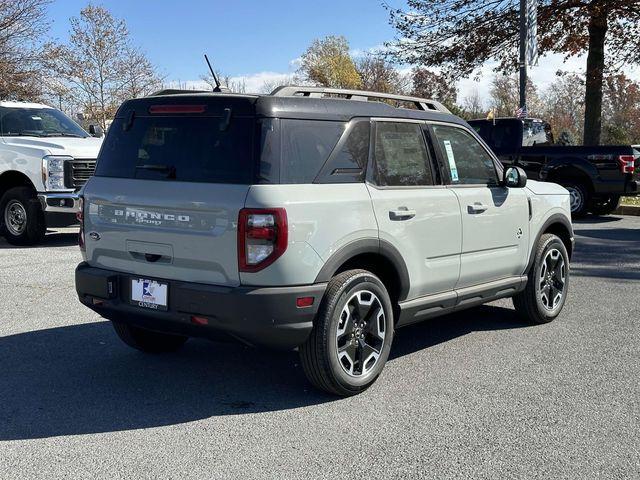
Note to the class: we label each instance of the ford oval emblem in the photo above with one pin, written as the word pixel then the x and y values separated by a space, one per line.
pixel 94 236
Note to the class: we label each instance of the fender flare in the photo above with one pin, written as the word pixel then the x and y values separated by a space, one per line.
pixel 555 218
pixel 367 245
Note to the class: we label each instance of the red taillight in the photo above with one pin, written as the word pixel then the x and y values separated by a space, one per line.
pixel 158 109
pixel 262 237
pixel 80 217
pixel 627 163
pixel 303 302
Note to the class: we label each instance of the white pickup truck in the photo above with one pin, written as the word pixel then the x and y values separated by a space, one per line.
pixel 45 158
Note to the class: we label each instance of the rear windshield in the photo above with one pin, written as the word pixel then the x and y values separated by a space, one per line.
pixel 186 149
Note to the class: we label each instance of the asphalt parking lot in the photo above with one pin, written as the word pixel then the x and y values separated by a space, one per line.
pixel 475 395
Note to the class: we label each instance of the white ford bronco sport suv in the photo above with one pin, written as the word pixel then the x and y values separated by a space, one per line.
pixel 313 219
pixel 45 158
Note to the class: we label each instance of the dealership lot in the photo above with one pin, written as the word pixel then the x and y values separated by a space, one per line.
pixel 479 394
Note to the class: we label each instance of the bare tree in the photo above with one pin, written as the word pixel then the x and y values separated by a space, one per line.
pixel 379 75
pixel 101 66
pixel 23 54
pixel 472 105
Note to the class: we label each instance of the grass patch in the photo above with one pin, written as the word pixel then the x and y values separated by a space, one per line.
pixel 630 201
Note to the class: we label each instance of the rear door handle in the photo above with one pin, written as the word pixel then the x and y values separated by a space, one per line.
pixel 402 213
pixel 477 207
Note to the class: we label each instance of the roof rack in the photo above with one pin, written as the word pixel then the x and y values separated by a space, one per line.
pixel 360 95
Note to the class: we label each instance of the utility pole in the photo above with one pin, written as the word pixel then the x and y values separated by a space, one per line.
pixel 523 53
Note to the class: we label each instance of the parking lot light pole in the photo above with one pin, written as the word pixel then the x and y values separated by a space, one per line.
pixel 523 53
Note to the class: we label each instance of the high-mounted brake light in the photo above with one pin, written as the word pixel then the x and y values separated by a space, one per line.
pixel 262 237
pixel 627 163
pixel 157 109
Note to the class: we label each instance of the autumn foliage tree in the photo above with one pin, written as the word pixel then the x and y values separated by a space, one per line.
pixel 327 62
pixel 462 35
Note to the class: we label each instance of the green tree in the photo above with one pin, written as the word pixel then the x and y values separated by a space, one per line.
pixel 327 63
pixel 462 35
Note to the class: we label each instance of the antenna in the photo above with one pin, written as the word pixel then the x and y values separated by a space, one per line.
pixel 213 74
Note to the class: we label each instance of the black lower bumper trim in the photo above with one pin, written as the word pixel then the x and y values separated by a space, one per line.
pixel 265 316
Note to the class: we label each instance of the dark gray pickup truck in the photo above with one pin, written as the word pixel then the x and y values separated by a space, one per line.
pixel 596 177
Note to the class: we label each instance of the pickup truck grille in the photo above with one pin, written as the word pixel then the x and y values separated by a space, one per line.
pixel 78 171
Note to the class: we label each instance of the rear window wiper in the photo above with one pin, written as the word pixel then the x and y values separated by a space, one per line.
pixel 170 169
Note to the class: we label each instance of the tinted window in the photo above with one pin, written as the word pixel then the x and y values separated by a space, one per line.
pixel 503 134
pixel 38 122
pixel 467 161
pixel 348 161
pixel 187 149
pixel 305 147
pixel 401 155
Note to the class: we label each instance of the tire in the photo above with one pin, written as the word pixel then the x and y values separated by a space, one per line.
pixel 532 304
pixel 580 197
pixel 147 340
pixel 21 217
pixel 605 205
pixel 351 295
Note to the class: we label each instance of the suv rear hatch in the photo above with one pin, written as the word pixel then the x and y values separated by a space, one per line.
pixel 171 177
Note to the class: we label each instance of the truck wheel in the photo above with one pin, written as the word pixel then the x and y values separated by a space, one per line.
pixel 21 217
pixel 579 197
pixel 146 340
pixel 547 283
pixel 351 336
pixel 605 205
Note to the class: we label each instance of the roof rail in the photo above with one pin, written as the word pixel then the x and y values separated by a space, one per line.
pixel 361 95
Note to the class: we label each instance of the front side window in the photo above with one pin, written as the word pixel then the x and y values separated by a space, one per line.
pixel 401 155
pixel 466 160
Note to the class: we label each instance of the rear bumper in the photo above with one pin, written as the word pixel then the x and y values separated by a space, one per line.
pixel 60 202
pixel 264 316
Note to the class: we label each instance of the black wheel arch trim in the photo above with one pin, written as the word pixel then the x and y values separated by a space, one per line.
pixel 553 219
pixel 367 245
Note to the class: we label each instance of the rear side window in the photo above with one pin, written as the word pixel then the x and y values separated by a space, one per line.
pixel 466 160
pixel 187 149
pixel 401 155
pixel 348 162
pixel 305 147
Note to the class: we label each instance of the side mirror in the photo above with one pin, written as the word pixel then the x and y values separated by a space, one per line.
pixel 515 177
pixel 96 131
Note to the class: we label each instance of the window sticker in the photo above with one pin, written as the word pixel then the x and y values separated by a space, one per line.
pixel 452 160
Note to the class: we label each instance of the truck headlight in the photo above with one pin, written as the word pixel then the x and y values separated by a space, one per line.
pixel 53 172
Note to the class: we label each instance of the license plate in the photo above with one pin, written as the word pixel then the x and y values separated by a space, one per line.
pixel 149 294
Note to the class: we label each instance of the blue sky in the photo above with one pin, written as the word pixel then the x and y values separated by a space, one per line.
pixel 258 41
pixel 241 37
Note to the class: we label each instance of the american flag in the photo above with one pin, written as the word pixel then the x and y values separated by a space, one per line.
pixel 522 112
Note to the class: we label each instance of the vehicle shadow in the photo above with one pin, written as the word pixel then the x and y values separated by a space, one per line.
pixel 80 379
pixel 595 219
pixel 51 239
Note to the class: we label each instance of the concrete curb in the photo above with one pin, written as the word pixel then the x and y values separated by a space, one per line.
pixel 628 210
